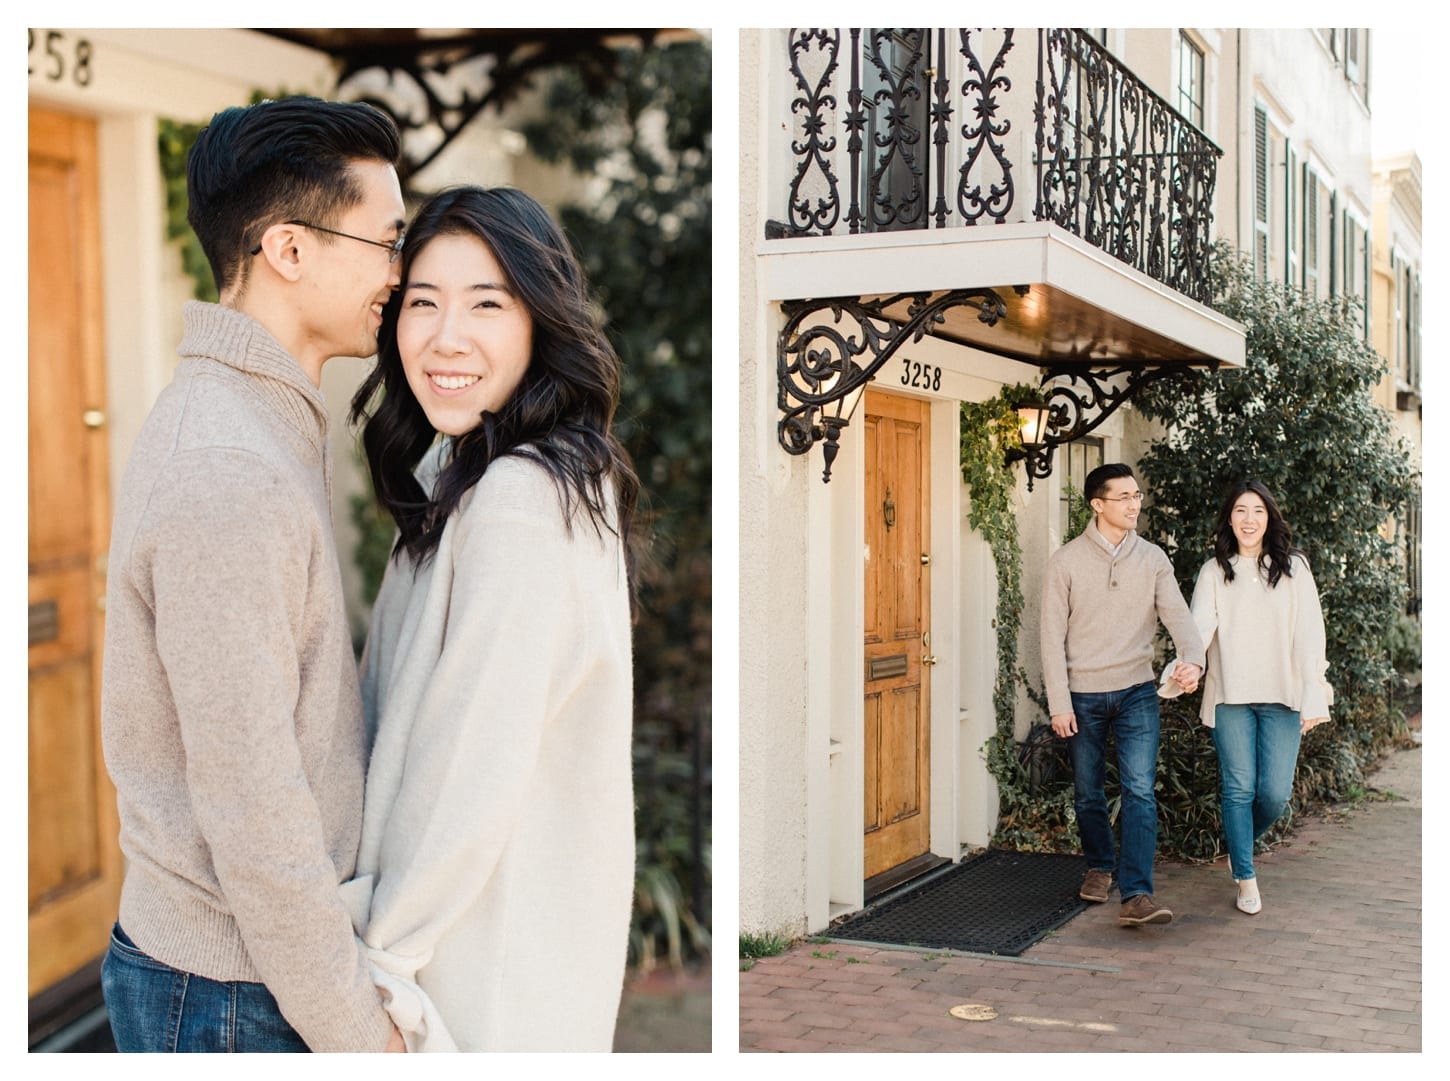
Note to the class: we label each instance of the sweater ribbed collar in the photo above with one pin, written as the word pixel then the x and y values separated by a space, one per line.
pixel 229 337
pixel 1102 544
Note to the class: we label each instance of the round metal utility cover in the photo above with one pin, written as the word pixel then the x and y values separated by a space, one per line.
pixel 973 1011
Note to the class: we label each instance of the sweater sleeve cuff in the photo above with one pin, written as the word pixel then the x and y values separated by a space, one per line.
pixel 1316 699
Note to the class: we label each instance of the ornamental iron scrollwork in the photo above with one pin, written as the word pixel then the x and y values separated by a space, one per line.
pixel 984 137
pixel 896 171
pixel 1120 167
pixel 815 105
pixel 1073 413
pixel 820 366
pixel 1115 164
pixel 434 86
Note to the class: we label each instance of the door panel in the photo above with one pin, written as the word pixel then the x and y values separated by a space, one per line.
pixel 74 864
pixel 897 584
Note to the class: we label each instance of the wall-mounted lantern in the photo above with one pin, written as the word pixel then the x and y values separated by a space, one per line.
pixel 1064 413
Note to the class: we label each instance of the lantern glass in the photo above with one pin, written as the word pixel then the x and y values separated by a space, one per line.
pixel 1033 418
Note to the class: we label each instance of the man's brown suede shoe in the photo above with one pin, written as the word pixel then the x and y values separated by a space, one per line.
pixel 1140 909
pixel 1095 886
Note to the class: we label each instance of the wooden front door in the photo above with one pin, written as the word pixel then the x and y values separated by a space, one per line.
pixel 75 865
pixel 898 579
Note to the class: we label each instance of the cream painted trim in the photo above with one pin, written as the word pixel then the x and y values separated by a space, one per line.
pixel 184 74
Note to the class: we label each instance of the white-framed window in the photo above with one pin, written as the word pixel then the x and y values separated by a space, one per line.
pixel 1315 243
pixel 1078 459
pixel 1407 322
pixel 1354 262
pixel 1191 92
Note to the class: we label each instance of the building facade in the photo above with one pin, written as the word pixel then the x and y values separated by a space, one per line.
pixel 1397 317
pixel 935 197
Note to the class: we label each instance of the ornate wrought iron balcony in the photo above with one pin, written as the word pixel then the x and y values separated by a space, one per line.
pixel 934 120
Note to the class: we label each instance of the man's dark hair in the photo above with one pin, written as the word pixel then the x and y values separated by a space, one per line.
pixel 1096 485
pixel 254 166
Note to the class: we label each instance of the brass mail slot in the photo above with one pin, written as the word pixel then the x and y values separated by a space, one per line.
pixel 44 623
pixel 886 667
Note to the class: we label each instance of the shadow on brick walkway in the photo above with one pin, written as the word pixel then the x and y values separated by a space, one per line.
pixel 1332 963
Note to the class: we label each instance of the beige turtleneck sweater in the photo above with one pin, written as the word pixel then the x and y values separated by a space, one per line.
pixel 1100 613
pixel 231 717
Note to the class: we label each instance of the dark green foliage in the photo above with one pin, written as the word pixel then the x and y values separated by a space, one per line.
pixel 1300 417
pixel 645 245
pixel 173 141
pixel 1030 817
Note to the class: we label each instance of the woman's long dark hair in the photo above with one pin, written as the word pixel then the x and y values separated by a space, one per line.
pixel 1278 552
pixel 561 412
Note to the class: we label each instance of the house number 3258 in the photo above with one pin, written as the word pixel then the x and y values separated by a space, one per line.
pixel 915 374
pixel 56 57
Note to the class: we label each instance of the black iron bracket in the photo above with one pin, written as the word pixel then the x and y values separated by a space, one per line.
pixel 821 364
pixel 1074 412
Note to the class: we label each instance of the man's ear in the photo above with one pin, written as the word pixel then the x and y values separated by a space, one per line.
pixel 280 249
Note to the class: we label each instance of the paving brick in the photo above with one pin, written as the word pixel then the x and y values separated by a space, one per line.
pixel 1326 966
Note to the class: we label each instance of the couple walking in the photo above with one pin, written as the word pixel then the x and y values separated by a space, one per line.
pixel 438 855
pixel 1254 636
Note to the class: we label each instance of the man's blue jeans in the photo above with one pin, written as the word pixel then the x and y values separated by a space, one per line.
pixel 1132 716
pixel 1258 745
pixel 155 1007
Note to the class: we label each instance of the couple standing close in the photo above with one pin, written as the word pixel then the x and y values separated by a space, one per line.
pixel 441 857
pixel 1255 623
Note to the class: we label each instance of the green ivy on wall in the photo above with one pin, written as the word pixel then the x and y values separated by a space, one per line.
pixel 174 141
pixel 1026 817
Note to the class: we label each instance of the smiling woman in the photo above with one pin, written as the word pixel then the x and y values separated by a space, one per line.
pixel 498 664
pixel 464 336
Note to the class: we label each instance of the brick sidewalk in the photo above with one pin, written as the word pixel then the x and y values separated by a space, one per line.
pixel 1332 963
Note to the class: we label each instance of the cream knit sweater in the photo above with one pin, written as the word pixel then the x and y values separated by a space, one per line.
pixel 230 713
pixel 496 872
pixel 1264 645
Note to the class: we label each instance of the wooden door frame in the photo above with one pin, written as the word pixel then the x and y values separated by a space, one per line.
pixel 70 137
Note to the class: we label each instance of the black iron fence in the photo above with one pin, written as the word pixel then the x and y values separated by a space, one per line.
pixel 924 125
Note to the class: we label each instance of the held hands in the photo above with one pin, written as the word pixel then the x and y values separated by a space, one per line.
pixel 1064 724
pixel 1306 723
pixel 1186 676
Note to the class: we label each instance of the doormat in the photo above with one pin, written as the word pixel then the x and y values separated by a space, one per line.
pixel 998 902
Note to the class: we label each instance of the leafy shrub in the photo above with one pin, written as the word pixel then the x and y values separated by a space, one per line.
pixel 1301 417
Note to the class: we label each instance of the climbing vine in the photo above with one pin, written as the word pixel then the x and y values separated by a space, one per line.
pixel 174 139
pixel 1026 817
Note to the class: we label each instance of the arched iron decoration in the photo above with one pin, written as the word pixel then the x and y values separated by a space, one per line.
pixel 817 369
pixel 1072 414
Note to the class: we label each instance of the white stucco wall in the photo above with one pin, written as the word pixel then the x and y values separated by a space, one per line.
pixel 773 630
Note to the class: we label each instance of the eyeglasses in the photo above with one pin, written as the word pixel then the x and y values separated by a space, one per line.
pixel 395 248
pixel 1132 497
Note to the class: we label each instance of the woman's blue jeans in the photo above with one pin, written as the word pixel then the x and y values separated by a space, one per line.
pixel 155 1007
pixel 1132 716
pixel 1258 745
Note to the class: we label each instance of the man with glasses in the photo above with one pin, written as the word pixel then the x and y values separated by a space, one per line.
pixel 231 716
pixel 1102 598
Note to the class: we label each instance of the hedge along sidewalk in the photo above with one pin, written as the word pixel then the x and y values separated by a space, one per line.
pixel 1328 964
